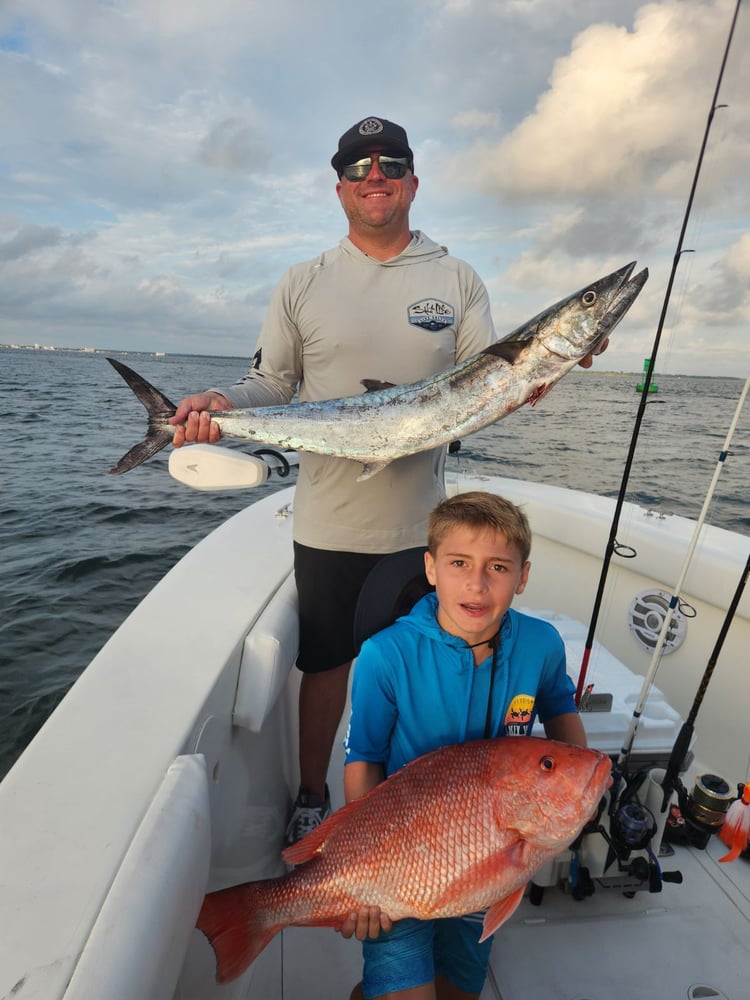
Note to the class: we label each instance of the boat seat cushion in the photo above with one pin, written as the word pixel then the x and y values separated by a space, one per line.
pixel 269 652
pixel 391 589
pixel 137 944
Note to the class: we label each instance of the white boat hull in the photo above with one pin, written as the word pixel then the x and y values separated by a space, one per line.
pixel 178 743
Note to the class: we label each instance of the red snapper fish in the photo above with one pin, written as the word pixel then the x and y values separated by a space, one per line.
pixel 458 830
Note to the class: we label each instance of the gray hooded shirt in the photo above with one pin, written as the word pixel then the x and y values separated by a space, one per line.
pixel 344 317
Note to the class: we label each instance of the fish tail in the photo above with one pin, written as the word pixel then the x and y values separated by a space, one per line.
pixel 735 831
pixel 236 924
pixel 159 408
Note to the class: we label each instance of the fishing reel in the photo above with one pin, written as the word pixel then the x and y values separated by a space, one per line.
pixel 632 837
pixel 631 831
pixel 633 827
pixel 701 811
pixel 618 848
pixel 632 824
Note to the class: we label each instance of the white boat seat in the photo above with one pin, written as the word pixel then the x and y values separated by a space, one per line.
pixel 138 942
pixel 391 589
pixel 269 653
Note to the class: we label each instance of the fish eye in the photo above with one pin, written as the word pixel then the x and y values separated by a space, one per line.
pixel 589 297
pixel 547 763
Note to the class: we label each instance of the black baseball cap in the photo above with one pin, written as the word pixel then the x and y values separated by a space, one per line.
pixel 371 135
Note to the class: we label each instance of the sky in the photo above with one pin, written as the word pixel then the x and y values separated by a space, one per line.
pixel 164 161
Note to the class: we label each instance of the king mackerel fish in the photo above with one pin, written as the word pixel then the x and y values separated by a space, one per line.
pixel 390 421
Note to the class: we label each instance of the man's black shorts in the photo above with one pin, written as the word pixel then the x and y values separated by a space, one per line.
pixel 328 585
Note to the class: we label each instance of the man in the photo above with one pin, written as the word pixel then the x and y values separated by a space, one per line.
pixel 386 304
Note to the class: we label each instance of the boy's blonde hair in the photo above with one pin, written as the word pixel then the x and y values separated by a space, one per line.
pixel 480 510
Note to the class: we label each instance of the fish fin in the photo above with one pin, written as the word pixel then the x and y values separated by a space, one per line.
pixel 374 385
pixel 154 441
pixel 508 350
pixel 232 920
pixel 512 858
pixel 735 831
pixel 303 850
pixel 499 912
pixel 370 469
pixel 312 842
pixel 159 408
pixel 152 398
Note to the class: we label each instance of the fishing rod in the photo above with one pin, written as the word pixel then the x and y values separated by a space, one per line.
pixel 682 743
pixel 674 599
pixel 612 544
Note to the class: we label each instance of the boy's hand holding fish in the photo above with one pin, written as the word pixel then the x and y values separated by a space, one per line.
pixel 366 922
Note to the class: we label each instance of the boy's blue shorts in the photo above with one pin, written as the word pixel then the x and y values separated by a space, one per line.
pixel 415 951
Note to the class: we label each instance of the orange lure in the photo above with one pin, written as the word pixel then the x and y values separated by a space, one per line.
pixel 735 832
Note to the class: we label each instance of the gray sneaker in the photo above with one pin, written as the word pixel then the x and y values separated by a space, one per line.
pixel 309 811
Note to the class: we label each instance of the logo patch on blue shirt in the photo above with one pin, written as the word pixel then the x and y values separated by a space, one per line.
pixel 431 314
pixel 520 715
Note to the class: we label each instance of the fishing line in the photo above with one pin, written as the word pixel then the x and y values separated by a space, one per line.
pixel 612 541
pixel 678 305
pixel 674 600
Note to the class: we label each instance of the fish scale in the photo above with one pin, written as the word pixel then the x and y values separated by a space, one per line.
pixel 460 829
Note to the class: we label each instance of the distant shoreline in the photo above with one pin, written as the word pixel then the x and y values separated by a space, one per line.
pixel 244 359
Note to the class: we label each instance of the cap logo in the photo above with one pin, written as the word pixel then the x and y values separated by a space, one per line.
pixel 370 126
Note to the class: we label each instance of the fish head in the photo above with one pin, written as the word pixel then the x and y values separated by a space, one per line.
pixel 576 325
pixel 546 791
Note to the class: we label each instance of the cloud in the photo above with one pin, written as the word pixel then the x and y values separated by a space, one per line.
pixel 724 300
pixel 623 114
pixel 476 121
pixel 164 163
pixel 233 145
pixel 28 239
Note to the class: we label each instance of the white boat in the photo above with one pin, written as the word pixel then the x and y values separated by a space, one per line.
pixel 169 769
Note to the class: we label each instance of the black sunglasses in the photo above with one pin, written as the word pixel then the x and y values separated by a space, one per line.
pixel 393 167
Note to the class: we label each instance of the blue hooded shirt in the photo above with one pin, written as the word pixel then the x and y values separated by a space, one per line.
pixel 416 687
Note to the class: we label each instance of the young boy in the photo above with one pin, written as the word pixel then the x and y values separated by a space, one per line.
pixel 460 666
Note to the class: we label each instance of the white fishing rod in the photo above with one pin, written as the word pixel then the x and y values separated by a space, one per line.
pixel 674 600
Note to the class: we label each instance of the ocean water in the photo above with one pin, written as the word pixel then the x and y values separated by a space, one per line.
pixel 79 549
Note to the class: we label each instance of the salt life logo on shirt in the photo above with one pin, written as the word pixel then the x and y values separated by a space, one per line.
pixel 518 716
pixel 431 314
